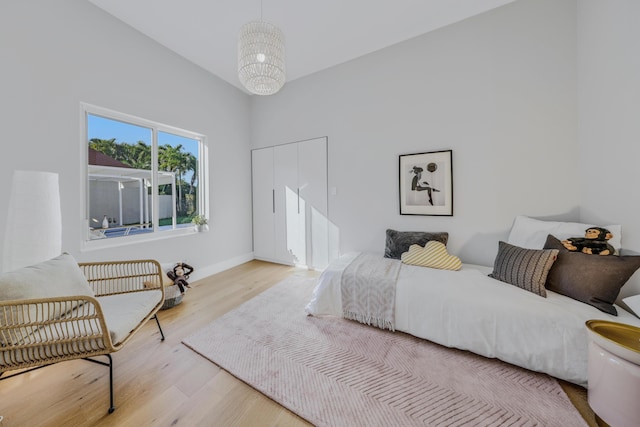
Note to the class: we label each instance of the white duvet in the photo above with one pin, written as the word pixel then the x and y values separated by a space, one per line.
pixel 468 310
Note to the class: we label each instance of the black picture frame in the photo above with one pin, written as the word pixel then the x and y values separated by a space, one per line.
pixel 426 183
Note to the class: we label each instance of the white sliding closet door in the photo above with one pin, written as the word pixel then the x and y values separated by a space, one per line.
pixel 290 222
pixel 288 248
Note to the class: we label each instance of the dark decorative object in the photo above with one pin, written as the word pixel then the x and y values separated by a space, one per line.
pixel 173 294
pixel 398 242
pixel 426 183
pixel 594 242
pixel 180 274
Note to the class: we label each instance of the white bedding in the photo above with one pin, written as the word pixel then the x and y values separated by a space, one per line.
pixel 468 310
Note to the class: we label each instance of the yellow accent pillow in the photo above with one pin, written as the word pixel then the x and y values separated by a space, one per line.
pixel 434 255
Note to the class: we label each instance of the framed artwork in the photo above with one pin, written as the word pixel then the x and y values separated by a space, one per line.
pixel 426 183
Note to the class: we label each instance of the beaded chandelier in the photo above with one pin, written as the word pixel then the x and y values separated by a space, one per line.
pixel 261 67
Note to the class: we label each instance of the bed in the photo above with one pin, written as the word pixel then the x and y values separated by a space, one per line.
pixel 468 310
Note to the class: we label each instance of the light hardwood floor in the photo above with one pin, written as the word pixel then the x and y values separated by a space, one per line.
pixel 164 383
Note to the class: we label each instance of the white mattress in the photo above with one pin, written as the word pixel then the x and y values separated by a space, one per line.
pixel 468 310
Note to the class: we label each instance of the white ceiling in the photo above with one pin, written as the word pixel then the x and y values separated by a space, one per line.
pixel 319 34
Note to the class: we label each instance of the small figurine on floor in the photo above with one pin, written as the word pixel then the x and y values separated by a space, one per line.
pixel 594 242
pixel 180 274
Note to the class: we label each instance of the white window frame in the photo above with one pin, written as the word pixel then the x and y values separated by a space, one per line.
pixel 203 178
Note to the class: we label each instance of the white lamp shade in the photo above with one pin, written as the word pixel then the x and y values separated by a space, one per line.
pixel 34 222
pixel 261 58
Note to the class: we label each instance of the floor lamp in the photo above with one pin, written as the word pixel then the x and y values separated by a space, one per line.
pixel 34 221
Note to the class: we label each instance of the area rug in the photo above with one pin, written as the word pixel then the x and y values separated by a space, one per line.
pixel 337 372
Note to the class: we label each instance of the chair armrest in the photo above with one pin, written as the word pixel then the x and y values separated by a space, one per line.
pixel 117 277
pixel 41 331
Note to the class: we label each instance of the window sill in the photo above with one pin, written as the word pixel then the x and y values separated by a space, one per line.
pixel 114 242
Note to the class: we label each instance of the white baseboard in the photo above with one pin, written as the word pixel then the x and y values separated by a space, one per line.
pixel 201 273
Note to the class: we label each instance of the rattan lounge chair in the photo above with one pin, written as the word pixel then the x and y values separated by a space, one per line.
pixel 68 323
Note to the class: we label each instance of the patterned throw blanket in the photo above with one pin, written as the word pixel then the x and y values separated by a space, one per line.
pixel 369 290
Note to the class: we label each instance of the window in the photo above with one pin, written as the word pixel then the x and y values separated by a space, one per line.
pixel 143 178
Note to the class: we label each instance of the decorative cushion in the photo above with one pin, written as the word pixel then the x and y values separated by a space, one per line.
pixel 524 268
pixel 398 242
pixel 532 233
pixel 633 302
pixel 433 255
pixel 123 312
pixel 592 279
pixel 56 277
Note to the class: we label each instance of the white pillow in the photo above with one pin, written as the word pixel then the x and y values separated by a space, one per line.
pixel 633 302
pixel 57 277
pixel 532 233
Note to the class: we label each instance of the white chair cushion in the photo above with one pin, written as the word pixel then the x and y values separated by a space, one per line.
pixel 123 312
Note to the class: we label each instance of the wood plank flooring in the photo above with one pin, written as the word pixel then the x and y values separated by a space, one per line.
pixel 164 383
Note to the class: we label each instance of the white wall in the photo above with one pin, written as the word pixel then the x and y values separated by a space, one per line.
pixel 609 118
pixel 57 54
pixel 541 122
pixel 499 89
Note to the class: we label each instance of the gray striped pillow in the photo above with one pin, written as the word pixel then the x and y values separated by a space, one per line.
pixel 524 268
